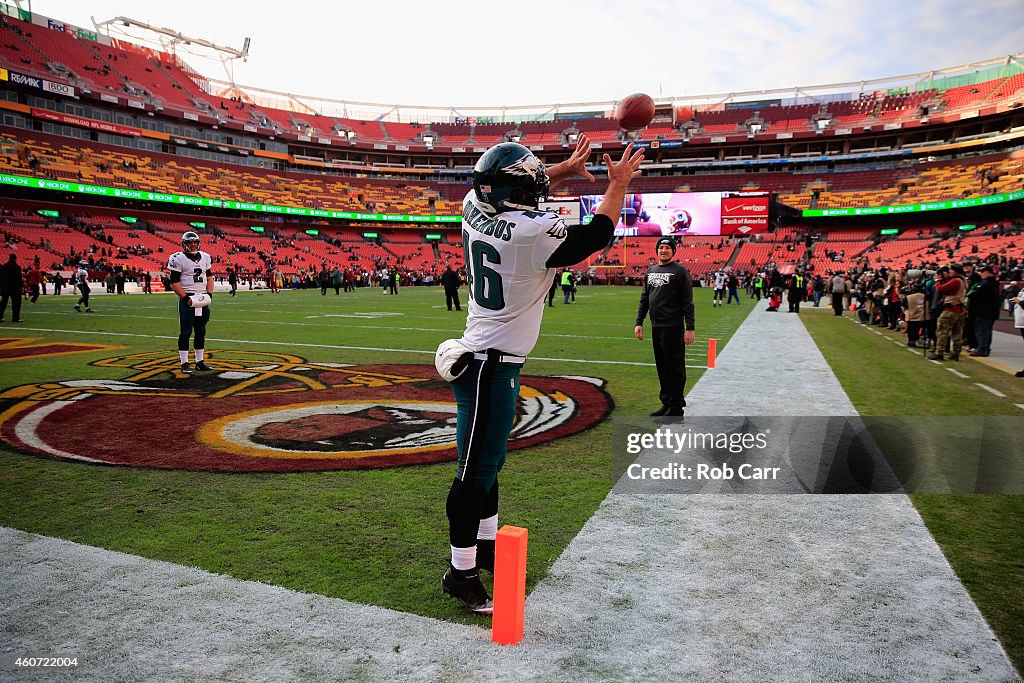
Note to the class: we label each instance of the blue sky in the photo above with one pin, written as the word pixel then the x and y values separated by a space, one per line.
pixel 531 51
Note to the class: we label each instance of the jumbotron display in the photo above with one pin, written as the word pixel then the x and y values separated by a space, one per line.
pixel 686 213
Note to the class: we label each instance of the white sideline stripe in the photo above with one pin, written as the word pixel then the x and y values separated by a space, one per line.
pixel 957 373
pixel 334 346
pixel 994 392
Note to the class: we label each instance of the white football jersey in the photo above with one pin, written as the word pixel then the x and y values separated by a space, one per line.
pixel 720 280
pixel 193 273
pixel 81 276
pixel 507 276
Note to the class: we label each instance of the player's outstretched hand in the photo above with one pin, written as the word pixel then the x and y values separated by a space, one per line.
pixel 577 163
pixel 627 167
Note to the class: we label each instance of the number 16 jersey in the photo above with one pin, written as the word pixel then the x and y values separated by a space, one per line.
pixel 506 257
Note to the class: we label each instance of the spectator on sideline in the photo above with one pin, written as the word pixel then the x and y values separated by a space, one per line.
pixel 451 281
pixel 971 278
pixel 983 304
pixel 11 284
pixel 838 290
pixel 336 280
pixel 35 281
pixel 507 287
pixel 950 327
pixel 733 284
pixel 567 286
pixel 817 289
pixel 1018 320
pixel 795 293
pixel 668 295
pixel 912 304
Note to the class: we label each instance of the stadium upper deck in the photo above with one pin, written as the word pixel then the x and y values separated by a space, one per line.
pixel 67 60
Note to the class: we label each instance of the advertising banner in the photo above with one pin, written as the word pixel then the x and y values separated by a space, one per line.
pixel 915 208
pixel 686 213
pixel 81 122
pixel 744 213
pixel 568 209
pixel 59 88
pixel 80 188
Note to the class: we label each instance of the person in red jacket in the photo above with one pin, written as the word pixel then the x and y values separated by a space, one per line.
pixel 952 290
pixel 35 280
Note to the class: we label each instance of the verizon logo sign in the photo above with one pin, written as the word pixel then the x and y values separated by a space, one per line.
pixel 744 215
pixel 752 208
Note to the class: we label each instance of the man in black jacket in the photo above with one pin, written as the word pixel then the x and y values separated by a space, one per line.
pixel 11 284
pixel 668 295
pixel 450 280
pixel 983 306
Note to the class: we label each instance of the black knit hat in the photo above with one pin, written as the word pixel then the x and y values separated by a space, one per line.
pixel 666 240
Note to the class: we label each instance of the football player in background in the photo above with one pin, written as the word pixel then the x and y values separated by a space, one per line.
pixel 192 276
pixel 511 251
pixel 82 282
pixel 721 280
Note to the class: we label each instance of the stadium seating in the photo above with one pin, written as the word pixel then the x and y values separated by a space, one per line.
pixel 162 79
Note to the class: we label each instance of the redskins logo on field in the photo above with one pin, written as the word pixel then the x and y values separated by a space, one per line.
pixel 260 412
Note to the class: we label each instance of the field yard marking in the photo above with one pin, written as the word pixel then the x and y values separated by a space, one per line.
pixel 957 373
pixel 445 330
pixel 335 346
pixel 1019 405
pixel 934 361
pixel 994 392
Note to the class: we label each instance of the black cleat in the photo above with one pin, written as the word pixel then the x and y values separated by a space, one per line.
pixel 660 411
pixel 203 367
pixel 468 590
pixel 89 310
pixel 186 368
pixel 78 308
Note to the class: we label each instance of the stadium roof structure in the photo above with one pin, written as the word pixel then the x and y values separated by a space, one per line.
pixel 941 79
pixel 173 41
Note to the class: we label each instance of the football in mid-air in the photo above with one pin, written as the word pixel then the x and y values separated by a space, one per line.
pixel 635 111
